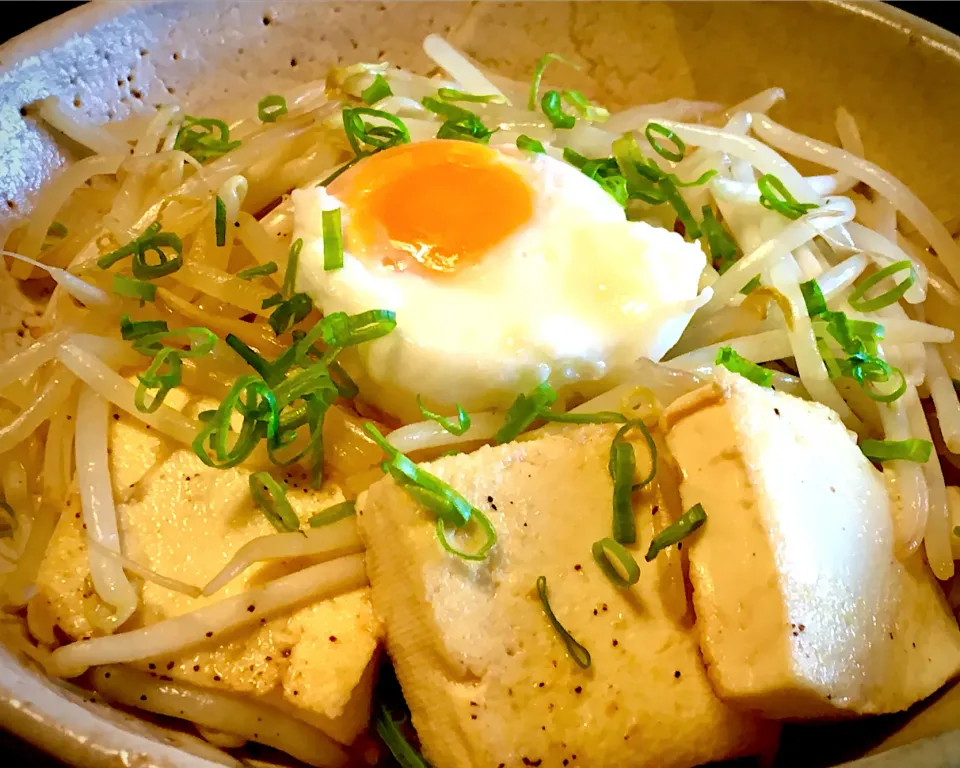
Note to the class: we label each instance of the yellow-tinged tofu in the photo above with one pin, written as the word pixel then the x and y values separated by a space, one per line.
pixel 802 607
pixel 186 521
pixel 488 680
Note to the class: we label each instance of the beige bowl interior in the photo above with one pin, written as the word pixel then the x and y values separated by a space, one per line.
pixel 896 74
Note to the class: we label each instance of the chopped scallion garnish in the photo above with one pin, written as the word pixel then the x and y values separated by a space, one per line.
pixel 332 240
pixel 669 189
pixel 578 653
pixel 132 288
pixel 333 514
pixel 813 298
pixel 261 270
pixel 552 105
pixel 625 572
pixel 220 222
pixel 152 240
pixel 653 130
pixel 527 144
pixel 293 265
pixel 57 229
pixel 858 300
pixel 131 331
pixel 289 312
pixel 271 498
pixel 897 450
pixel 367 138
pixel 260 417
pixel 270 107
pixel 450 94
pixel 378 90
pixel 524 411
pixel 538 76
pixel 689 521
pixel 723 248
pixel 622 465
pixel 774 196
pixel 460 123
pixel 8 523
pixel 164 374
pixel 457 428
pixel 586 109
pixel 389 731
pixel 729 359
pixel 597 417
pixel 437 496
pixel 204 138
pixel 187 342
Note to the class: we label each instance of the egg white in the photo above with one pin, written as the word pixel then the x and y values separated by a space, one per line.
pixel 575 296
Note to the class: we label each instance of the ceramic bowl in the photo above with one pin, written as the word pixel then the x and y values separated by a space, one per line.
pixel 896 74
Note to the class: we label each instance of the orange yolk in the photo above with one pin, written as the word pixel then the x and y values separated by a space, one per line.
pixel 435 206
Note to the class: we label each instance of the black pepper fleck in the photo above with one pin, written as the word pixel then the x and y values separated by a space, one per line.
pixel 143 697
pixel 616 643
pixel 677 674
pixel 216 678
pixel 196 667
pixel 578 567
pixel 209 634
pixel 251 608
pixel 170 665
pixel 578 689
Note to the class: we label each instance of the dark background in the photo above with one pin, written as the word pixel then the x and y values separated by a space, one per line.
pixel 20 16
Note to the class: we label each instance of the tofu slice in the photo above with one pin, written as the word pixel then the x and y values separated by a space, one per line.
pixel 802 607
pixel 488 680
pixel 185 520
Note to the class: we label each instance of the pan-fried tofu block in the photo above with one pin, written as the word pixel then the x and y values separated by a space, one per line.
pixel 488 680
pixel 802 607
pixel 185 520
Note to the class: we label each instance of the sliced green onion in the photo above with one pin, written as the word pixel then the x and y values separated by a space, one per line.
pixel 956 530
pixel 578 653
pixel 858 299
pixel 132 288
pixel 723 248
pixel 460 123
pixel 437 496
pixel 869 370
pixel 333 514
pixel 622 465
pixel 270 107
pixel 164 373
pixel 378 90
pixel 774 196
pixel 586 109
pixel 639 173
pixel 729 359
pixel 198 341
pixel 702 179
pixel 271 498
pixel 689 521
pixel 260 417
pixel 854 336
pixel 616 187
pixel 290 312
pixel 332 240
pixel 673 196
pixel 813 298
pixel 293 264
pixel 131 331
pixel 462 424
pixel 262 270
pixel 524 411
pixel 538 76
pixel 153 240
pixel 342 330
pixel 450 94
pixel 389 731
pixel 527 144
pixel 375 137
pixel 602 551
pixel 204 138
pixel 897 450
pixel 655 129
pixel 346 387
pixel 57 229
pixel 552 106
pixel 749 287
pixel 485 527
pixel 598 417
pixel 220 222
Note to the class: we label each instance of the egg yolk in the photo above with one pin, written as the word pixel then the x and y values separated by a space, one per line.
pixel 435 206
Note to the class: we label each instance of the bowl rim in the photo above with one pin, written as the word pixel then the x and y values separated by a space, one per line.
pixel 117 746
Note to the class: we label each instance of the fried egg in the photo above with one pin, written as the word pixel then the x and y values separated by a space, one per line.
pixel 504 268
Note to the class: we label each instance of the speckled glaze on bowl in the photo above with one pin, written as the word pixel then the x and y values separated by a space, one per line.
pixel 898 76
